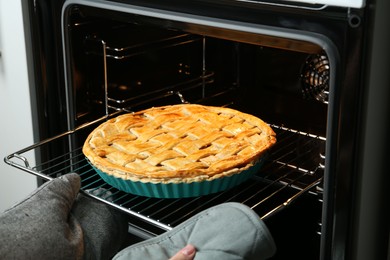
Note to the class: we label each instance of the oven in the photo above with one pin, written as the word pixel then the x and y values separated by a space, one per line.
pixel 304 68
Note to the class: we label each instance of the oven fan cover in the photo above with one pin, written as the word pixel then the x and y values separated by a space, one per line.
pixel 315 78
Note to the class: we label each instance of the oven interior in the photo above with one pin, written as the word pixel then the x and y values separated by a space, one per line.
pixel 122 62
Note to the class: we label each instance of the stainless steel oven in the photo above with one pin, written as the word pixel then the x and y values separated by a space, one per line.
pixel 310 70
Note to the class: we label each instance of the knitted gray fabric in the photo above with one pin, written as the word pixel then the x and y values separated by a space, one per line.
pixel 105 229
pixel 227 231
pixel 54 222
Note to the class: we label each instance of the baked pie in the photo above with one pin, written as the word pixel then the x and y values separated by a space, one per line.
pixel 178 144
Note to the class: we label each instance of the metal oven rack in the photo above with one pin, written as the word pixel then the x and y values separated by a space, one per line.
pixel 293 167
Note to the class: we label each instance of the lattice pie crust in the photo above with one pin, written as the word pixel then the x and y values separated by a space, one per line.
pixel 178 144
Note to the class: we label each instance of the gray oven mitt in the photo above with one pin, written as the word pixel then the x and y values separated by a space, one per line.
pixel 54 222
pixel 227 231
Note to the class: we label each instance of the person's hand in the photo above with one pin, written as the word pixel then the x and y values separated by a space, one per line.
pixel 187 253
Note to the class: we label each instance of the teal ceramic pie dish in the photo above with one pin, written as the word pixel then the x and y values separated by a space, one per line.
pixel 179 190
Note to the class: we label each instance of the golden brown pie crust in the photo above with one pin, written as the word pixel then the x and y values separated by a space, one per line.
pixel 179 143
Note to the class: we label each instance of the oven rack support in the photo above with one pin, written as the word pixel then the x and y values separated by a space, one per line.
pixel 128 103
pixel 183 91
pixel 293 168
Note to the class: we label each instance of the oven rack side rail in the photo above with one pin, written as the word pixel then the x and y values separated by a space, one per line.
pixel 10 159
pixel 294 167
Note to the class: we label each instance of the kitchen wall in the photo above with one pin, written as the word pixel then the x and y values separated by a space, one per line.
pixel 16 122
